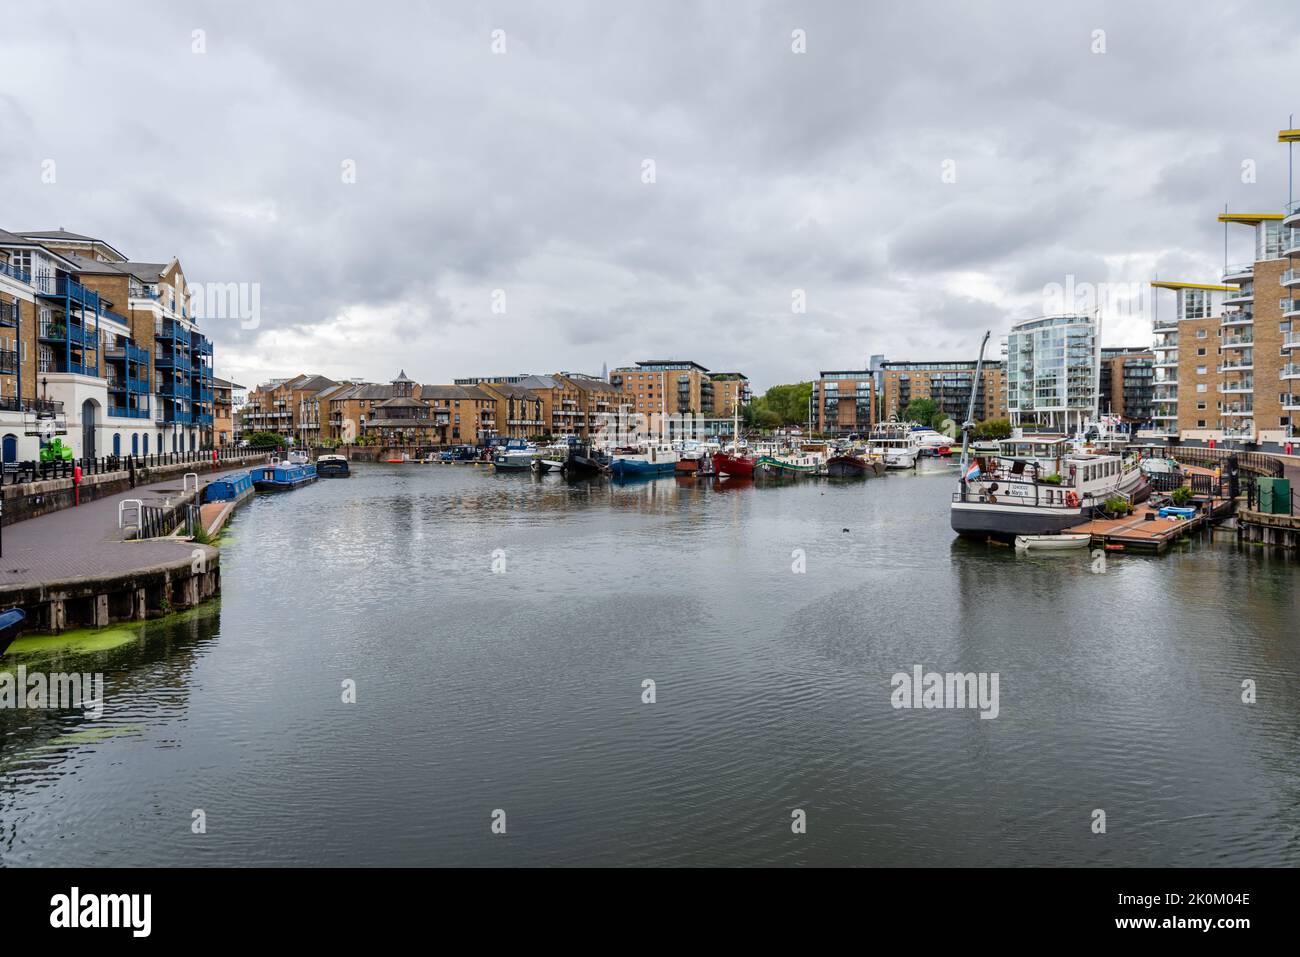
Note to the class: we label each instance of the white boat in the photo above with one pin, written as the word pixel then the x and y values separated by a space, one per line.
pixel 298 457
pixel 1025 543
pixel 894 444
pixel 1038 485
pixel 644 459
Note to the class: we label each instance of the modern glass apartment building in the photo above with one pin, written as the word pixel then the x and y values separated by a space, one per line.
pixel 1053 364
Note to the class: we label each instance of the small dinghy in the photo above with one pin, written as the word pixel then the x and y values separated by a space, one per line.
pixel 1026 543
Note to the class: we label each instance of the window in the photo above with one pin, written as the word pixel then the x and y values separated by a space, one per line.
pixel 1200 387
pixel 1200 334
pixel 1200 407
pixel 1201 351
pixel 1200 370
pixel 1200 423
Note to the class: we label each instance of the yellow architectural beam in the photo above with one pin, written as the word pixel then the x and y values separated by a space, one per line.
pixel 1213 287
pixel 1249 219
pixel 1288 136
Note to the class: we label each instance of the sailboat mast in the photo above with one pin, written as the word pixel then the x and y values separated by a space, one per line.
pixel 970 409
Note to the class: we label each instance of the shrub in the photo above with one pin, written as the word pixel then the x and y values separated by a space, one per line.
pixel 1118 505
pixel 1052 479
pixel 1181 496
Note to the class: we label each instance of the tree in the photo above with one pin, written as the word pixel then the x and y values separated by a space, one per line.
pixel 264 439
pixel 993 429
pixel 784 405
pixel 924 411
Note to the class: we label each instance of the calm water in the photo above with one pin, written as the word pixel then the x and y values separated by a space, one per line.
pixel 522 690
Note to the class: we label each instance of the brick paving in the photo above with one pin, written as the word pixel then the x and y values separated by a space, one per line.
pixel 85 542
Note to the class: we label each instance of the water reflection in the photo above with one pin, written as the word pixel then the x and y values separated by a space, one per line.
pixel 499 628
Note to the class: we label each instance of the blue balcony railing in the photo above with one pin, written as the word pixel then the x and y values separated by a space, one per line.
pixel 202 418
pixel 13 272
pixel 127 412
pixel 170 329
pixel 63 331
pixel 64 287
pixel 174 390
pixel 127 351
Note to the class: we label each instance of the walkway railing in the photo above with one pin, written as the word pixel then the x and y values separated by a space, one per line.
pixel 17 473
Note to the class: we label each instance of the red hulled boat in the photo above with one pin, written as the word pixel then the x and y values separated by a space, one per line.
pixel 742 466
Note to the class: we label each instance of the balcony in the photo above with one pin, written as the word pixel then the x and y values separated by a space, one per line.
pixel 1290 371
pixel 128 352
pixel 1241 365
pixel 53 330
pixel 1291 215
pixel 174 390
pixel 1168 361
pixel 1291 402
pixel 1237 317
pixel 1245 408
pixel 1238 388
pixel 1238 342
pixel 1241 298
pixel 16 274
pixel 171 329
pixel 63 287
pixel 8 362
pixel 1291 278
pixel 174 360
pixel 1291 340
pixel 127 412
pixel 1239 272
pixel 1244 433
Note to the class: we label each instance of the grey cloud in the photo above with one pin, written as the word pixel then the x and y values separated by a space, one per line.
pixel 819 171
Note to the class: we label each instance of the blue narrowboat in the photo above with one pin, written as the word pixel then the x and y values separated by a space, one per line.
pixel 279 476
pixel 228 488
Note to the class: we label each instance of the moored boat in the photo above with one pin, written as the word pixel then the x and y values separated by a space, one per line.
pixel 1038 486
pixel 736 464
pixel 1026 543
pixel 789 464
pixel 895 445
pixel 333 466
pixel 281 476
pixel 848 465
pixel 645 459
pixel 228 488
pixel 582 460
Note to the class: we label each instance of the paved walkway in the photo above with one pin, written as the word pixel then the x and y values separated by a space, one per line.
pixel 85 542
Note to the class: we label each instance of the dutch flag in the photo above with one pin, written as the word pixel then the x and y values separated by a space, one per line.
pixel 973 472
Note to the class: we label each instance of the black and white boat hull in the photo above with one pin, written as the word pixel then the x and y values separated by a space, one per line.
pixel 1007 520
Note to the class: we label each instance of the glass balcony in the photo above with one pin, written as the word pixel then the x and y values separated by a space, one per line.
pixel 1291 278
pixel 1290 371
pixel 1240 365
pixel 1239 272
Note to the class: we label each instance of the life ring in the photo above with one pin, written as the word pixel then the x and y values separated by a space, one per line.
pixel 1072 499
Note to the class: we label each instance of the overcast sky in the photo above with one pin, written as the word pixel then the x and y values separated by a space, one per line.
pixel 523 171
